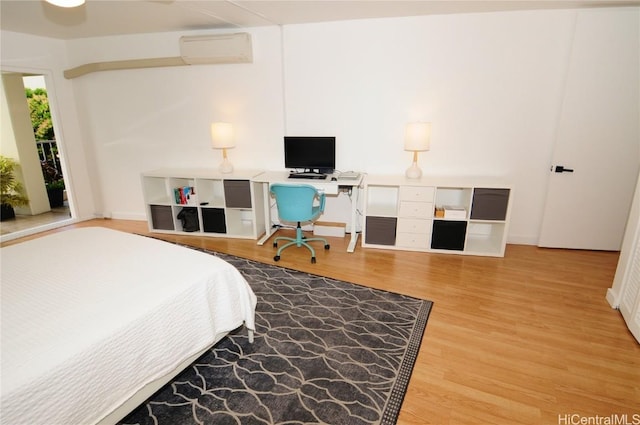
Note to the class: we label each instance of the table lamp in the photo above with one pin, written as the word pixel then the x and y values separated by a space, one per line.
pixel 222 138
pixel 417 137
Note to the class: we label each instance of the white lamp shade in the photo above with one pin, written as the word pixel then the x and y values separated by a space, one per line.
pixel 417 136
pixel 222 135
pixel 66 3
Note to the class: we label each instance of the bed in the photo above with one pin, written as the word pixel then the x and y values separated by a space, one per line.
pixel 95 320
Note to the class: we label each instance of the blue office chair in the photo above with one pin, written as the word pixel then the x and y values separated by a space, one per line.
pixel 297 203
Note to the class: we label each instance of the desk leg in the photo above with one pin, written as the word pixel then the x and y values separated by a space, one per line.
pixel 354 218
pixel 266 197
pixel 266 237
pixel 352 242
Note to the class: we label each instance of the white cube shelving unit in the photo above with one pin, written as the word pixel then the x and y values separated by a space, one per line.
pixel 399 213
pixel 227 205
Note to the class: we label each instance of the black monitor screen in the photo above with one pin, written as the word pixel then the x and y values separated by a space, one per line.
pixel 310 153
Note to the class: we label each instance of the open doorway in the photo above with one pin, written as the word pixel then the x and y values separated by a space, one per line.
pixel 38 153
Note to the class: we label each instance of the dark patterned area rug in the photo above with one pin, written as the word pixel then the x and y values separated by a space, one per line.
pixel 325 351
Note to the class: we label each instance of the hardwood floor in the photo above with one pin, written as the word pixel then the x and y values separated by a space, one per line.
pixel 524 339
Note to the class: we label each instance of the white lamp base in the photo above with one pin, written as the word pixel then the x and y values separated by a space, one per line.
pixel 225 166
pixel 413 172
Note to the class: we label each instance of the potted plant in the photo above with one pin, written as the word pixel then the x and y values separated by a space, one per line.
pixel 55 184
pixel 11 191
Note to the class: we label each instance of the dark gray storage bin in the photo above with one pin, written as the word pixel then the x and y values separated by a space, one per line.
pixel 237 193
pixel 448 234
pixel 380 230
pixel 213 220
pixel 161 217
pixel 490 204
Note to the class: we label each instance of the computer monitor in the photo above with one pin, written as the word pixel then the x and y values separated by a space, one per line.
pixel 315 154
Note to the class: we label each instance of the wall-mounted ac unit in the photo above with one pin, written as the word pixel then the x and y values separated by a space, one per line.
pixel 203 49
pixel 223 48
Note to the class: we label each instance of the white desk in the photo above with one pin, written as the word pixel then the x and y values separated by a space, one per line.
pixel 328 186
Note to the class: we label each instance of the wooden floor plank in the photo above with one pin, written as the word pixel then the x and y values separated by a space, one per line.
pixel 523 339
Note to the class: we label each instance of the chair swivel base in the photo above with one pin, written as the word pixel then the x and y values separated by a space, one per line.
pixel 298 242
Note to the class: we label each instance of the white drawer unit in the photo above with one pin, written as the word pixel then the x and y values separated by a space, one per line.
pixel 472 219
pixel 417 193
pixel 413 233
pixel 415 209
pixel 413 241
pixel 411 225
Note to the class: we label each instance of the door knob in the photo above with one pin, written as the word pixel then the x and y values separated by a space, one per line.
pixel 563 169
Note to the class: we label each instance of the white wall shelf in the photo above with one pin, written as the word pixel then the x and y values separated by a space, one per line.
pixel 227 205
pixel 400 214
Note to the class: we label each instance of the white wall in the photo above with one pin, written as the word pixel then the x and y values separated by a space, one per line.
pixel 492 84
pixel 141 119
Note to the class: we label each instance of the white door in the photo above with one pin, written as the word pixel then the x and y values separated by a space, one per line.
pixel 630 301
pixel 598 136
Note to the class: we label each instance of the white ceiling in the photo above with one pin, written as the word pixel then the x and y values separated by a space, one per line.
pixel 99 18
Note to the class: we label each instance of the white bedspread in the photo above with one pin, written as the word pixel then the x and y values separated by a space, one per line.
pixel 90 315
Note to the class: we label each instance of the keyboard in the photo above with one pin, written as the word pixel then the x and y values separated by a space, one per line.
pixel 307 176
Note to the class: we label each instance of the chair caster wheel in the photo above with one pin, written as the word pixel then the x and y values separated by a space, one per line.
pixel 276 258
pixel 327 246
pixel 313 260
pixel 275 244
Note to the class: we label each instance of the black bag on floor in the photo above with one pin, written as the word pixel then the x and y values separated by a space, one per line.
pixel 189 219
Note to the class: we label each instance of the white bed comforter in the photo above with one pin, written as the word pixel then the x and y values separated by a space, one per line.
pixel 90 315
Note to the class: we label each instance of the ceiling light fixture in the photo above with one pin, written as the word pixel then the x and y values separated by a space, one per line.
pixel 66 3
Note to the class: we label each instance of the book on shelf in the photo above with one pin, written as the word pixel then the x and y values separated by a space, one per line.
pixel 185 195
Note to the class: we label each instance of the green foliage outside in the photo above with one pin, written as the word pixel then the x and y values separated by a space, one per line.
pixel 40 113
pixel 11 191
pixel 43 130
